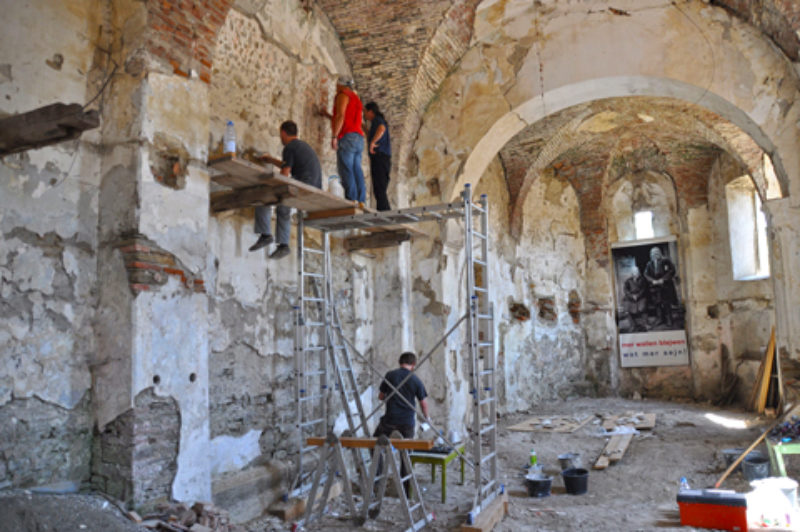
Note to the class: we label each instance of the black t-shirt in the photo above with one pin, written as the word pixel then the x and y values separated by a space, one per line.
pixel 397 411
pixel 384 144
pixel 300 157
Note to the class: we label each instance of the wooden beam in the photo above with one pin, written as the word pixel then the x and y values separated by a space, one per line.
pixel 250 197
pixel 369 443
pixel 44 126
pixel 329 213
pixel 490 516
pixel 376 240
pixel 767 376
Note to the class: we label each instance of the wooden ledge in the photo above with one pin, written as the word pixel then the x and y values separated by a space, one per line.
pixel 369 443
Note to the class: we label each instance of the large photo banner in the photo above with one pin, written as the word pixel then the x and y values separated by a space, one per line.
pixel 650 310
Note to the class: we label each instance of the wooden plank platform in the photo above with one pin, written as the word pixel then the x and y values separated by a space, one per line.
pixel 369 443
pixel 255 184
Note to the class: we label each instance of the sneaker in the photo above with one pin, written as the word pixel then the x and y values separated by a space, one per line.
pixel 263 240
pixel 281 251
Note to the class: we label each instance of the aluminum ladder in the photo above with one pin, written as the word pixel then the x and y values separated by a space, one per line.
pixel 482 356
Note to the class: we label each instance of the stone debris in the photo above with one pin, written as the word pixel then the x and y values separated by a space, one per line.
pixel 178 517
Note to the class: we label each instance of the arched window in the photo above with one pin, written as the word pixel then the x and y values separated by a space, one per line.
pixel 747 230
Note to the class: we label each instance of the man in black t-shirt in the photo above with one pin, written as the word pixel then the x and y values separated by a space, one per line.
pixel 400 415
pixel 298 160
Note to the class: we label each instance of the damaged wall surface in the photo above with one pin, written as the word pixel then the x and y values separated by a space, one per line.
pixel 146 353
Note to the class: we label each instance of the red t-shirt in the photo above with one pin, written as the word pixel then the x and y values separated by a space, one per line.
pixel 352 114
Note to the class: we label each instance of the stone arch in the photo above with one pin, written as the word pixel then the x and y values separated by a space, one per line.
pixel 487 100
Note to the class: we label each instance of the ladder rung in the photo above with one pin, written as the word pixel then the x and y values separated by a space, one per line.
pixel 315 323
pixel 485 344
pixel 487 429
pixel 488 371
pixel 311 397
pixel 488 456
pixel 315 275
pixel 314 373
pixel 315 348
pixel 484 316
pixel 486 401
pixel 479 289
pixel 314 299
pixel 312 422
pixel 479 235
pixel 312 250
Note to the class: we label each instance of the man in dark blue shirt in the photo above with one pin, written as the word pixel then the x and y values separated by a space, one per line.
pixel 298 160
pixel 400 415
pixel 380 154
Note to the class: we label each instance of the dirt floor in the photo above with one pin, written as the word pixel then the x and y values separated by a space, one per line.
pixel 637 493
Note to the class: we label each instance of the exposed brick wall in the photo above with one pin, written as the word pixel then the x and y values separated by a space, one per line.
pixel 149 266
pixel 183 32
pixel 41 443
pixel 135 456
pixel 400 53
pixel 779 19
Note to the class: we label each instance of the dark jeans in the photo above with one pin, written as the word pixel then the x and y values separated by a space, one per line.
pixel 379 165
pixel 386 429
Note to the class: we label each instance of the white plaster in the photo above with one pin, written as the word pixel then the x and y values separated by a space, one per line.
pixel 171 341
pixel 231 453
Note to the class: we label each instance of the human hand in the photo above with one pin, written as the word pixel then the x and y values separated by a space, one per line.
pixel 334 143
pixel 372 148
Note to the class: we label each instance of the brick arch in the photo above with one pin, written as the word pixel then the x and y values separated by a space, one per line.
pixel 579 63
pixel 183 33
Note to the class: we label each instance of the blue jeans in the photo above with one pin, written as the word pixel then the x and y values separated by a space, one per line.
pixel 348 163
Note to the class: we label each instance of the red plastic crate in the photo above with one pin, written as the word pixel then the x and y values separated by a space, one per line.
pixel 720 509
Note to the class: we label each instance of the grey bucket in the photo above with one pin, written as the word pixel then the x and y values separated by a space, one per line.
pixel 755 467
pixel 733 453
pixel 569 460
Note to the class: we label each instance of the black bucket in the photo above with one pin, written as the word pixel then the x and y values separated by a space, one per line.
pixel 732 454
pixel 539 485
pixel 576 480
pixel 755 468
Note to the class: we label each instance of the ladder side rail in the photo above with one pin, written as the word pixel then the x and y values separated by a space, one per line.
pixel 472 336
pixel 299 357
pixel 490 358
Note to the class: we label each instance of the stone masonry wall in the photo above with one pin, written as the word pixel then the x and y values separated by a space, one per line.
pixel 48 224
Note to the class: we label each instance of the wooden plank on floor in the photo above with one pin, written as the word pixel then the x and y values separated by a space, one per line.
pixel 622 446
pixel 557 424
pixel 490 516
pixel 648 421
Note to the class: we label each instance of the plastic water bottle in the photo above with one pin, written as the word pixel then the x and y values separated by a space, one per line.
pixel 533 457
pixel 684 484
pixel 229 138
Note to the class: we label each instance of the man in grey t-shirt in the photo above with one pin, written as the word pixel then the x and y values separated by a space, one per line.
pixel 299 161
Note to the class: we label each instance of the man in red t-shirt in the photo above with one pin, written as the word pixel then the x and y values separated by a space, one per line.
pixel 348 139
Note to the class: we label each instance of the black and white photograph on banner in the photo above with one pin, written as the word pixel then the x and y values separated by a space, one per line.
pixel 649 308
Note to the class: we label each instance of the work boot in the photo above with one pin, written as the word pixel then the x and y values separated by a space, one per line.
pixel 263 240
pixel 281 251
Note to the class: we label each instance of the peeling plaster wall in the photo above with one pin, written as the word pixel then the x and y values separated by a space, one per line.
pixel 48 243
pixel 274 62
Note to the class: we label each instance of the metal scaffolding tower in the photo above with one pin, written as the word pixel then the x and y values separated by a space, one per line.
pixel 320 342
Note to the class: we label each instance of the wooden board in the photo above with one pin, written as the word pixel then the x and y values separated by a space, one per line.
pixel 490 516
pixel 767 376
pixel 44 126
pixel 252 182
pixel 376 240
pixel 613 451
pixel 639 421
pixel 557 424
pixel 369 443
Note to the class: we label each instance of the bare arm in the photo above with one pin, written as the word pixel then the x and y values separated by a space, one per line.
pixel 271 160
pixel 378 134
pixel 339 106
pixel 286 170
pixel 424 405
